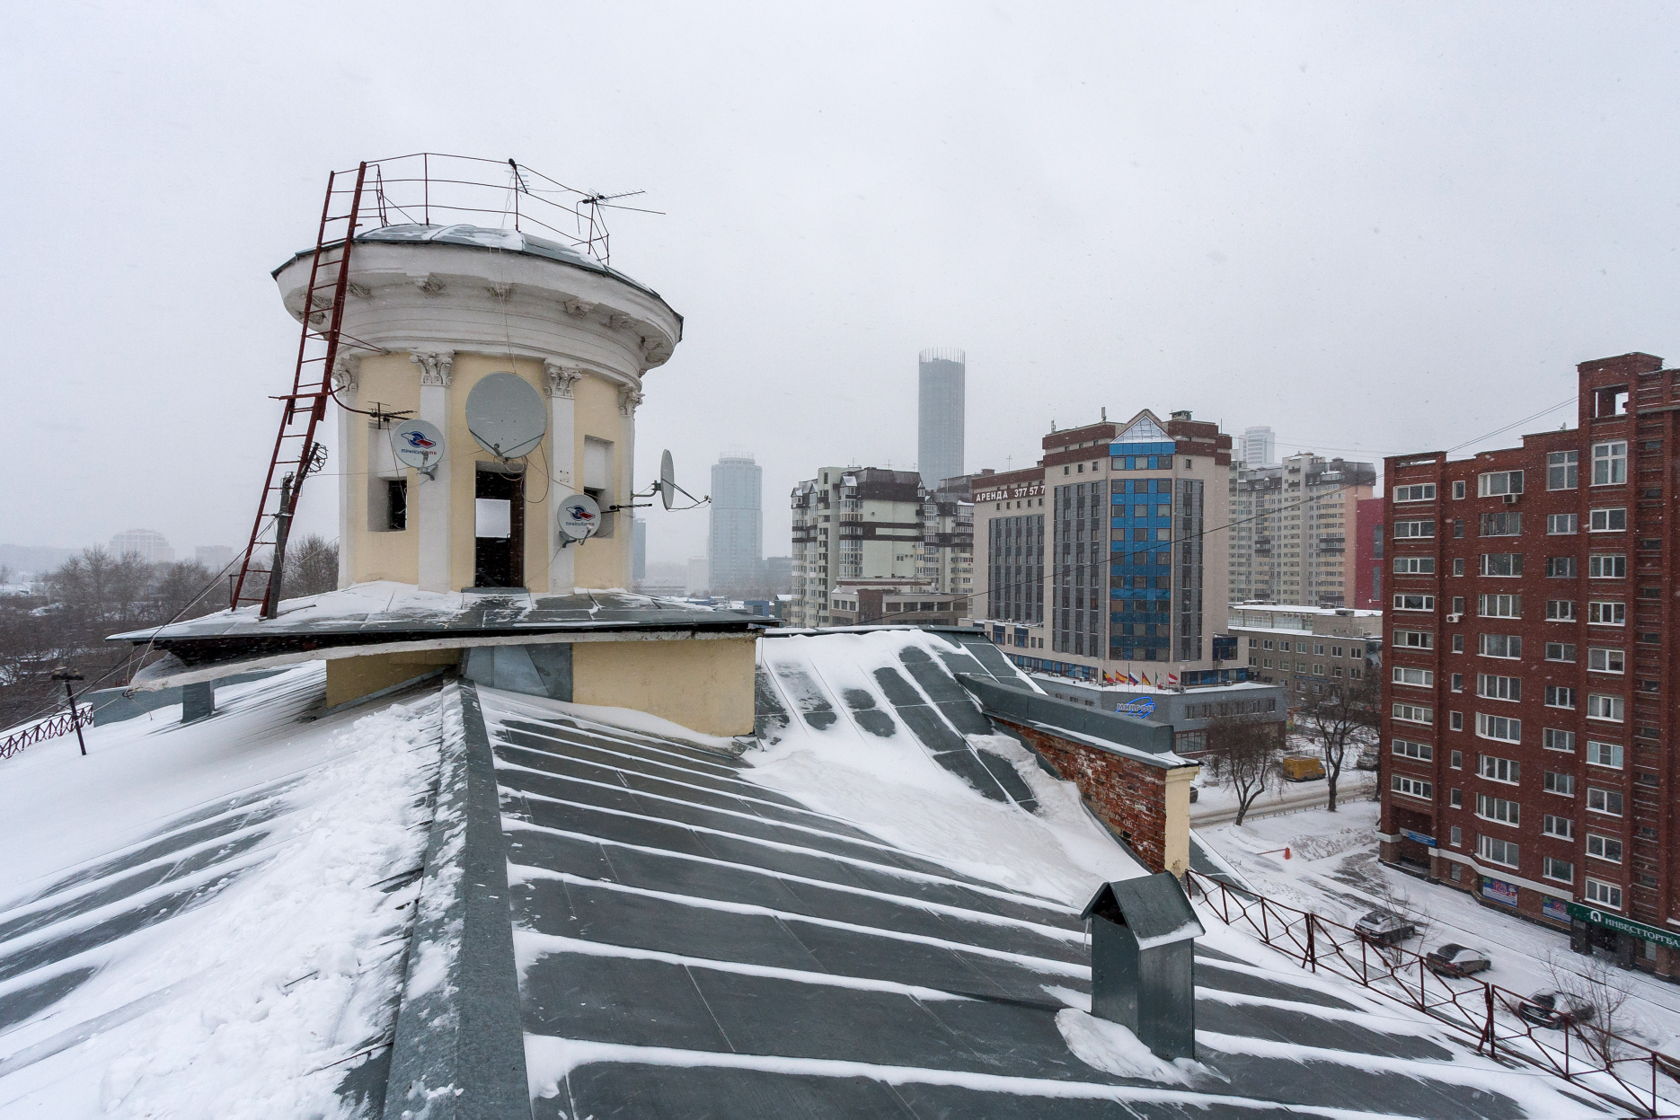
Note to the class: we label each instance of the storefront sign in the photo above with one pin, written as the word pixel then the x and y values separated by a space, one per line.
pixel 1426 841
pixel 1010 492
pixel 1555 908
pixel 1594 916
pixel 1498 890
pixel 1143 707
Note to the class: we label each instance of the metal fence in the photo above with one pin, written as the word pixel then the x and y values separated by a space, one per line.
pixel 51 728
pixel 1612 1067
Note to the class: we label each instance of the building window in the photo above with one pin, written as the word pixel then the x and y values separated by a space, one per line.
pixel 1563 470
pixel 1414 565
pixel 1560 610
pixel 1501 729
pixel 1494 850
pixel 1418 527
pixel 1601 660
pixel 1412 787
pixel 1601 893
pixel 1606 848
pixel 1561 827
pixel 1502 564
pixel 1601 706
pixel 1493 687
pixel 1609 520
pixel 1561 524
pixel 1506 523
pixel 1458 682
pixel 1607 565
pixel 1602 612
pixel 1500 645
pixel 1604 754
pixel 1413 713
pixel 1421 678
pixel 1557 739
pixel 1414 602
pixel 1494 483
pixel 1414 639
pixel 1606 801
pixel 1458 488
pixel 1556 781
pixel 1418 492
pixel 1455 838
pixel 1560 567
pixel 1560 651
pixel 1496 769
pixel 1559 696
pixel 1455 721
pixel 1558 870
pixel 1500 606
pixel 1499 809
pixel 1406 748
pixel 1609 462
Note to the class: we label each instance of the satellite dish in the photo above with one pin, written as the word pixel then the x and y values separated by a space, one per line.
pixel 580 518
pixel 506 415
pixel 667 479
pixel 417 444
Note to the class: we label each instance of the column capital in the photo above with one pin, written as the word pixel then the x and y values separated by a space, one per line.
pixel 561 379
pixel 436 366
pixel 346 368
pixel 629 400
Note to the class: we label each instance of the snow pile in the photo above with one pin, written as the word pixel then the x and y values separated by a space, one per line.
pixel 1112 1048
pixel 894 789
pixel 258 1002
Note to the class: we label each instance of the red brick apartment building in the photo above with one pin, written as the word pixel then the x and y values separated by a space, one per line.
pixel 1530 682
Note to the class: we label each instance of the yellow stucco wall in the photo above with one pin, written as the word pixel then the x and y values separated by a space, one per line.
pixel 350 678
pixel 1175 844
pixel 704 685
pixel 603 561
pixel 393 381
pixel 465 456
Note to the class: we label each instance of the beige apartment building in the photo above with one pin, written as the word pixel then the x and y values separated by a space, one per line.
pixel 852 523
pixel 1292 532
pixel 1307 649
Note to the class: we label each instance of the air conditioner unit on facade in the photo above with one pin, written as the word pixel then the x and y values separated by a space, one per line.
pixel 1455 618
pixel 1511 499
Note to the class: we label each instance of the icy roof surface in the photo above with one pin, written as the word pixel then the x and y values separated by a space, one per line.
pixel 507 240
pixel 385 607
pixel 202 920
pixel 838 925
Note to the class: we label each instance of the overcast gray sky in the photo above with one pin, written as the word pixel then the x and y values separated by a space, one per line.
pixel 1379 227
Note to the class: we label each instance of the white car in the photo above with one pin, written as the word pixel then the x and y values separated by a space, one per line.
pixel 1384 927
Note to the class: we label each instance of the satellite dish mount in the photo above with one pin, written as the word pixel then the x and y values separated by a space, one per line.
pixel 666 487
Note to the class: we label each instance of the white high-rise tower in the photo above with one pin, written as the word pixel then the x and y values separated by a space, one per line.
pixel 939 414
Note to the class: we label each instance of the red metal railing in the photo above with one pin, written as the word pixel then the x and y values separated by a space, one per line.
pixel 51 728
pixel 1608 1065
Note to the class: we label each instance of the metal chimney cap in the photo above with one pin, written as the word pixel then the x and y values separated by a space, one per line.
pixel 1154 908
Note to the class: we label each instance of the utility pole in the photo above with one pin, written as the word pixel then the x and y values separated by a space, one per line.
pixel 64 674
pixel 282 529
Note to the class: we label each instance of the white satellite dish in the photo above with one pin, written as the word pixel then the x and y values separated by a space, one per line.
pixel 506 415
pixel 667 479
pixel 580 518
pixel 417 444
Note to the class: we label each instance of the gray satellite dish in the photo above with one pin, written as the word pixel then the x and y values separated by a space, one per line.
pixel 667 479
pixel 417 444
pixel 506 416
pixel 580 518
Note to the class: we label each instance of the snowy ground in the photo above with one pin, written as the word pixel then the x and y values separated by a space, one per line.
pixel 1334 872
pixel 255 998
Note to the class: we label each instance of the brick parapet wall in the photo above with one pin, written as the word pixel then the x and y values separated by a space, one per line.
pixel 1127 794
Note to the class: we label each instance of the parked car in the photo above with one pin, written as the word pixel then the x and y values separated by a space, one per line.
pixel 1384 927
pixel 1456 960
pixel 1555 1009
pixel 1301 768
pixel 1366 760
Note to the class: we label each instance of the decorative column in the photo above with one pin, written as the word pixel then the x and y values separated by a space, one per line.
pixel 562 455
pixel 345 375
pixel 432 503
pixel 629 399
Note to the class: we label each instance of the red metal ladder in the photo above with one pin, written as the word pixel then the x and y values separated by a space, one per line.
pixel 296 454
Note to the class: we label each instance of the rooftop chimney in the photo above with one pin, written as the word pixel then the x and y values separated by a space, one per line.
pixel 1143 966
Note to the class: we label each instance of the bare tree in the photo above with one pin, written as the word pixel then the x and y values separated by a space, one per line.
pixel 1245 749
pixel 1589 980
pixel 186 589
pixel 1343 715
pixel 311 567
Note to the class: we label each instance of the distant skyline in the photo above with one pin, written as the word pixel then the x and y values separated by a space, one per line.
pixel 1331 219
